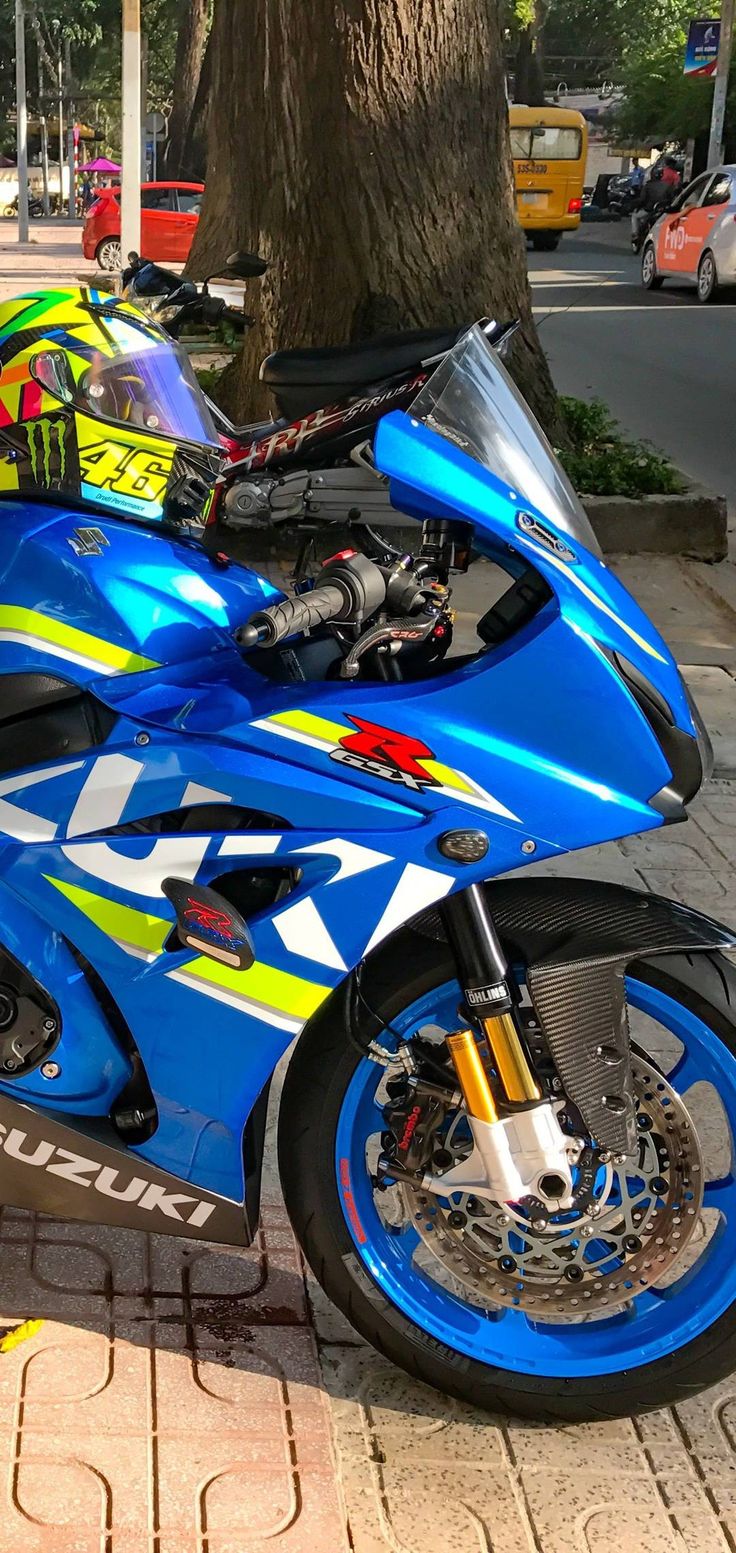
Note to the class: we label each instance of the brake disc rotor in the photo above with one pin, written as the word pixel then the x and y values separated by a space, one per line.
pixel 643 1214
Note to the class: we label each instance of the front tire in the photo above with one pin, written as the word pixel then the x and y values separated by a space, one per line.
pixel 545 242
pixel 650 280
pixel 707 278
pixel 326 1200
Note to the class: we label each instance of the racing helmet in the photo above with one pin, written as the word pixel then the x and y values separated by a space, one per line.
pixel 99 406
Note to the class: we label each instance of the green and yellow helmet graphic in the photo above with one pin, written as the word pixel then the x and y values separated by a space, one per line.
pixel 100 406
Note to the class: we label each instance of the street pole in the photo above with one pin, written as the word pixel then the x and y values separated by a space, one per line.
pixel 144 105
pixel 45 163
pixel 72 206
pixel 42 117
pixel 61 132
pixel 720 87
pixel 22 119
pixel 130 182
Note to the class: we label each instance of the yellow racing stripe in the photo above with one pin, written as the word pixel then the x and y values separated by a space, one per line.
pixel 141 931
pixel 67 641
pixel 307 722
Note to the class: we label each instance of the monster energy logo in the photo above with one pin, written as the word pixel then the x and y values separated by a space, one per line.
pixel 52 439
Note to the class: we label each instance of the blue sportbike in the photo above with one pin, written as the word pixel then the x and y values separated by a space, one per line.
pixel 231 820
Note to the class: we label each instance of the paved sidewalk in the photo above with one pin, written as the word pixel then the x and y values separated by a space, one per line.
pixel 52 256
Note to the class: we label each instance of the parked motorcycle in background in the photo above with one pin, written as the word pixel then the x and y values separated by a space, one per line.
pixel 314 461
pixel 35 207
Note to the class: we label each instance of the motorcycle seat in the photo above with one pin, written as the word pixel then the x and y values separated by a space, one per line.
pixel 349 366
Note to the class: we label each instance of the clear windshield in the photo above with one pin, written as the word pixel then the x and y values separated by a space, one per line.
pixel 134 376
pixel 471 400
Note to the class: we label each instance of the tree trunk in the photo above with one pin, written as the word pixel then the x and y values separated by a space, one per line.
pixel 194 153
pixel 190 48
pixel 363 148
pixel 529 72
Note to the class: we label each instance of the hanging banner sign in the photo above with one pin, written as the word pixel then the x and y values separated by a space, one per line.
pixel 701 53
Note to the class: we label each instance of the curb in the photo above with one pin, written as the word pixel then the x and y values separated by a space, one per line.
pixel 693 523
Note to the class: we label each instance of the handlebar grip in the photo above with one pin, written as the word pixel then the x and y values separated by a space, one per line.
pixel 271 625
pixel 236 318
pixel 211 309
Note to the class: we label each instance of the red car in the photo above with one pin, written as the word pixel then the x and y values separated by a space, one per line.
pixel 169 216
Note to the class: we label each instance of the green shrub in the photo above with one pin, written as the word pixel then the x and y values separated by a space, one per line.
pixel 208 378
pixel 601 462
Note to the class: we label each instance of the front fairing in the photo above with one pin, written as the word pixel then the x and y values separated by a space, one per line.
pixel 430 477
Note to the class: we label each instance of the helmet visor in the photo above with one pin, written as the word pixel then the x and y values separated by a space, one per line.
pixel 133 377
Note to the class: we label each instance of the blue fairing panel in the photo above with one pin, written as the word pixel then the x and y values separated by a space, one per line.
pixel 430 477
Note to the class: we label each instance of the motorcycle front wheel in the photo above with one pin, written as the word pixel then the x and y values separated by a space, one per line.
pixel 626 1305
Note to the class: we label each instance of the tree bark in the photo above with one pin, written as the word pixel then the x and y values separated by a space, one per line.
pixel 194 153
pixel 529 72
pixel 190 50
pixel 362 146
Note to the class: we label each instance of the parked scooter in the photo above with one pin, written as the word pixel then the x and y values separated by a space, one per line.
pixel 622 197
pixel 315 462
pixel 35 207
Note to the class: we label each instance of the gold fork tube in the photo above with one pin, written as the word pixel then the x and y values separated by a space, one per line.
pixel 472 1076
pixel 510 1059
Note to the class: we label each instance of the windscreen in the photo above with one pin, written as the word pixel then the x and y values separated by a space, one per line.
pixel 545 143
pixel 471 400
pixel 138 377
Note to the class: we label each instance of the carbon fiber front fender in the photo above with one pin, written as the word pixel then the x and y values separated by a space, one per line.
pixel 576 938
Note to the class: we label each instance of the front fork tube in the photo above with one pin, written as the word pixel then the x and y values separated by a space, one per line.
pixel 520 1152
pixel 483 972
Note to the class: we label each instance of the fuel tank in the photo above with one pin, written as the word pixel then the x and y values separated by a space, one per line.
pixel 82 597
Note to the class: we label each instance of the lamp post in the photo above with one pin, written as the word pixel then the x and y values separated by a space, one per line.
pixel 720 86
pixel 21 119
pixel 130 182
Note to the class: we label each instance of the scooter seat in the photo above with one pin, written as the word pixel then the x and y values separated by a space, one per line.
pixel 350 366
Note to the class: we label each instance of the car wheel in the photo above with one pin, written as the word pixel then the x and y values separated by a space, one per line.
pixel 707 278
pixel 649 277
pixel 545 241
pixel 109 254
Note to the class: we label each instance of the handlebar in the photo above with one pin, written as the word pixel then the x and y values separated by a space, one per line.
pixel 354 588
pixel 271 625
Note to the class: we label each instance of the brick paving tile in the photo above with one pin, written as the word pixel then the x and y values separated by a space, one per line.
pixel 170 1403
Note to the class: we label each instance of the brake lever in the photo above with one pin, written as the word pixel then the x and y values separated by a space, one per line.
pixel 415 628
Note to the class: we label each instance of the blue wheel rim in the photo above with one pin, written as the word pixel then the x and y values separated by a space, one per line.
pixel 659 1322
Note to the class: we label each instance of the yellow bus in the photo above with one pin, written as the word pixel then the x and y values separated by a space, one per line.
pixel 549 147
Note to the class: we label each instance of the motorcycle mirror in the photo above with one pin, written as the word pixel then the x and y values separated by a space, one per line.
pixel 246 266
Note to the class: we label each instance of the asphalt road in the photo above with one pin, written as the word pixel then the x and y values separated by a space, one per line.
pixel 664 364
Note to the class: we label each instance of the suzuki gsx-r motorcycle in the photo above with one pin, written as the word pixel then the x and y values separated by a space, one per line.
pixel 231 819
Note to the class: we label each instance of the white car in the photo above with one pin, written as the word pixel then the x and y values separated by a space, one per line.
pixel 695 240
